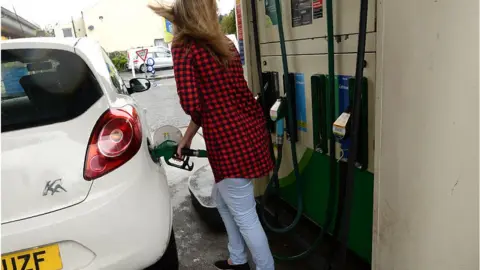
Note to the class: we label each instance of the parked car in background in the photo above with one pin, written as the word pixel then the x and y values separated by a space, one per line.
pixel 80 189
pixel 161 56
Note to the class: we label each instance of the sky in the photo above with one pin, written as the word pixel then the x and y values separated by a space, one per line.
pixel 45 12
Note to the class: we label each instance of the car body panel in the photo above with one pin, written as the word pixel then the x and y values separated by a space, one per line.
pixel 49 174
pixel 121 220
pixel 125 222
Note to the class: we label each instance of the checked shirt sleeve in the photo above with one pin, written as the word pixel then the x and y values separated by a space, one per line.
pixel 186 84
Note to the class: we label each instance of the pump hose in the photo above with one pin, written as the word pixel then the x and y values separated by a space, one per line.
pixel 291 126
pixel 344 228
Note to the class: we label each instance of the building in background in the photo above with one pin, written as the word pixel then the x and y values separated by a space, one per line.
pixel 73 28
pixel 123 25
pixel 14 26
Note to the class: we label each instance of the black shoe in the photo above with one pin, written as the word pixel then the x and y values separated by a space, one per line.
pixel 224 265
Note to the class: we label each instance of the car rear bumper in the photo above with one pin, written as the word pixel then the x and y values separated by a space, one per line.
pixel 125 222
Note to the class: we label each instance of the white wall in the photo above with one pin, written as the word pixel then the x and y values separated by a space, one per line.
pixel 126 24
pixel 58 29
pixel 427 140
pixel 77 22
pixel 80 27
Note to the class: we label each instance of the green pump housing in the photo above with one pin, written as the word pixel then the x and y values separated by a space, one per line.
pixel 306 44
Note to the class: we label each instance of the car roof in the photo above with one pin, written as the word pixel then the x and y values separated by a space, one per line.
pixel 68 42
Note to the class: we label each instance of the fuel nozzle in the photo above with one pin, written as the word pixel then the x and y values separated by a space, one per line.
pixel 341 126
pixel 278 110
pixel 277 114
pixel 258 97
pixel 194 153
pixel 168 150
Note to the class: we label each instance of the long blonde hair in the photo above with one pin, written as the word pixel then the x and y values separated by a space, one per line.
pixel 197 21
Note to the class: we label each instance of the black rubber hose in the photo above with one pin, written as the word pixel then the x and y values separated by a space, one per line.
pixel 258 60
pixel 344 229
pixel 274 179
pixel 263 90
pixel 256 42
pixel 291 125
pixel 331 88
pixel 333 168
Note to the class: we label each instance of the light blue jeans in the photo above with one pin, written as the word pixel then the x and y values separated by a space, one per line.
pixel 236 205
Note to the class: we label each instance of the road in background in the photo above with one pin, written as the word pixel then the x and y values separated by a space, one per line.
pixel 159 74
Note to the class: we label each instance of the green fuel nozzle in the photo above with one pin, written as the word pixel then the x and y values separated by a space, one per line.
pixel 168 150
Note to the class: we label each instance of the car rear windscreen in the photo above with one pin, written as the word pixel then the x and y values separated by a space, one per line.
pixel 44 86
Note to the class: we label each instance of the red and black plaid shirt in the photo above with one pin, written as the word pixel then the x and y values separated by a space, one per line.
pixel 218 99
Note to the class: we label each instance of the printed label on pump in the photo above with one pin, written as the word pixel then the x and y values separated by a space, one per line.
pixel 340 125
pixel 274 110
pixel 302 12
pixel 343 98
pixel 300 102
pixel 317 9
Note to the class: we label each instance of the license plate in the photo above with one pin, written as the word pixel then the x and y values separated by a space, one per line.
pixel 43 258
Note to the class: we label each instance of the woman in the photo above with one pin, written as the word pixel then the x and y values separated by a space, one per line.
pixel 213 91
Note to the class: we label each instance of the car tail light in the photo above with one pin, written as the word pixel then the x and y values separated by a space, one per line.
pixel 135 61
pixel 115 139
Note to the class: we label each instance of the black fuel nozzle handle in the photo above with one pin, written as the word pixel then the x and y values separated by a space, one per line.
pixel 193 153
pixel 186 165
pixel 186 154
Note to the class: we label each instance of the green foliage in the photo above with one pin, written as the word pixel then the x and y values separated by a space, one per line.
pixel 44 33
pixel 119 59
pixel 47 31
pixel 228 23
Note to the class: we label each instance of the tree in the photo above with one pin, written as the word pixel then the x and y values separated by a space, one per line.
pixel 47 31
pixel 119 59
pixel 228 23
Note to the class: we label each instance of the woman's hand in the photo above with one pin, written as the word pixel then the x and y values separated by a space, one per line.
pixel 184 143
pixel 187 138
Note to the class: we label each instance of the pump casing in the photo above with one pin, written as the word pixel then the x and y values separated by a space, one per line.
pixel 421 151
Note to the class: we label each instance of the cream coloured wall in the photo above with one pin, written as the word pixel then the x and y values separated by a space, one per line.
pixel 80 27
pixel 121 25
pixel 427 141
pixel 77 22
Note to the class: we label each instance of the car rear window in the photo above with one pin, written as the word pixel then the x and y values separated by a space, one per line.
pixel 44 86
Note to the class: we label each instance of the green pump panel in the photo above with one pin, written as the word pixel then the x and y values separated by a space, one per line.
pixel 305 32
pixel 319 113
pixel 292 133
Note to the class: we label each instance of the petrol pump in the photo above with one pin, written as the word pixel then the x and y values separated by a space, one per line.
pixel 366 102
pixel 308 103
pixel 332 67
pixel 319 133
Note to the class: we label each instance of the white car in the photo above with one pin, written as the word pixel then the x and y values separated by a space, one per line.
pixel 162 58
pixel 80 189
